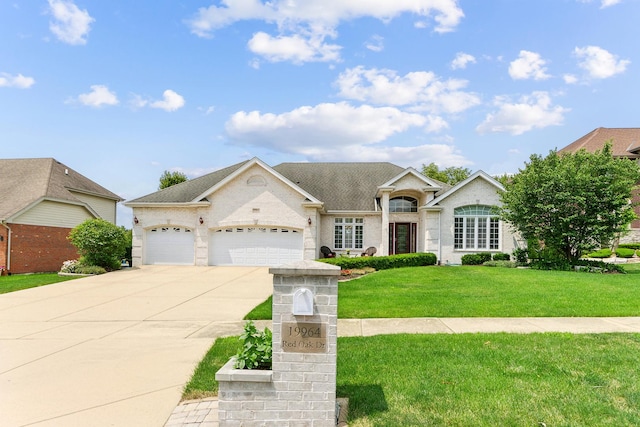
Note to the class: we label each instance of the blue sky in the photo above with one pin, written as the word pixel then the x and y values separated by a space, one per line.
pixel 122 90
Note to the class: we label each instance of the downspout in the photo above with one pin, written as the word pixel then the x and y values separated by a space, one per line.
pixel 8 266
pixel 440 236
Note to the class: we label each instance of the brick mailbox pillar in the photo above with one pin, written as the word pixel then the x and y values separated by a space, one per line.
pixel 301 388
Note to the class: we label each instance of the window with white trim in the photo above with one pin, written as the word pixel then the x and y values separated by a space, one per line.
pixel 403 204
pixel 476 227
pixel 348 233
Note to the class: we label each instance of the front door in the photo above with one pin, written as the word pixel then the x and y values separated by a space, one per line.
pixel 402 237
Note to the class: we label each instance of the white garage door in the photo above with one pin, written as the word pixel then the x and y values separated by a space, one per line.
pixel 169 245
pixel 255 246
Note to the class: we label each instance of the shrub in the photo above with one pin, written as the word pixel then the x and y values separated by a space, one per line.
pixel 505 264
pixel 599 266
pixel 521 255
pixel 602 253
pixel 501 257
pixel 630 245
pixel 472 259
pixel 625 252
pixel 90 269
pixel 69 266
pixel 100 243
pixel 257 348
pixel 80 267
pixel 383 262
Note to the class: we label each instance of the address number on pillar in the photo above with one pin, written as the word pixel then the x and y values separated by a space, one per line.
pixel 304 337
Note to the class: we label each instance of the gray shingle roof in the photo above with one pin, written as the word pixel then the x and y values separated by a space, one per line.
pixel 187 191
pixel 25 181
pixel 341 186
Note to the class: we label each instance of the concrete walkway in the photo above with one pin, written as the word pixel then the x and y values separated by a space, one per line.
pixel 203 413
pixel 116 349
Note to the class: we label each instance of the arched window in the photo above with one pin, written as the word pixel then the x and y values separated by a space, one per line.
pixel 476 227
pixel 403 204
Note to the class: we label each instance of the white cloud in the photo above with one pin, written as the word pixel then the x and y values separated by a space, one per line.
pixel 462 60
pixel 19 81
pixel 70 25
pixel 533 111
pixel 99 96
pixel 296 48
pixel 607 3
pixel 422 90
pixel 529 65
pixel 303 26
pixel 599 63
pixel 171 101
pixel 329 126
pixel 570 79
pixel 375 43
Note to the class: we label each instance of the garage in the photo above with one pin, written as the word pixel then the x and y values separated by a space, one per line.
pixel 266 246
pixel 169 245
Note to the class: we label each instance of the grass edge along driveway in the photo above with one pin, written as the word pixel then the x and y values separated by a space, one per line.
pixel 18 282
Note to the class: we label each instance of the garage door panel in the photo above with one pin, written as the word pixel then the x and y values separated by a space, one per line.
pixel 255 246
pixel 169 245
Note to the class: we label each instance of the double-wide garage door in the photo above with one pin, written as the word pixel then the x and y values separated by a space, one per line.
pixel 267 246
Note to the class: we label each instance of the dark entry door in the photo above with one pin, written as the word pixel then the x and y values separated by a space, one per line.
pixel 402 237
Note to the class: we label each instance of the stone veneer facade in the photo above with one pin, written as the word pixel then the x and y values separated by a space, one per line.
pixel 301 388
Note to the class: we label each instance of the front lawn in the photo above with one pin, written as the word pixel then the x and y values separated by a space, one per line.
pixel 18 282
pixel 476 379
pixel 469 291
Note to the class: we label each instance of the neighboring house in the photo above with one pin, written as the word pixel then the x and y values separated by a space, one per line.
pixel 254 214
pixel 41 201
pixel 625 144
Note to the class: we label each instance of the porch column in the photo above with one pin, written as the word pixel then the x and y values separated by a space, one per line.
pixel 422 232
pixel 384 204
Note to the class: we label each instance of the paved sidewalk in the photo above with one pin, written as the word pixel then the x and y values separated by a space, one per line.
pixel 204 413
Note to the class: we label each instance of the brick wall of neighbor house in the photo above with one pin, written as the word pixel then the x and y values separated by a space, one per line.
pixel 37 249
pixel 4 239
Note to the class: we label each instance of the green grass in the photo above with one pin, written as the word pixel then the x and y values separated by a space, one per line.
pixel 476 379
pixel 18 282
pixel 470 291
pixel 203 383
pixel 491 380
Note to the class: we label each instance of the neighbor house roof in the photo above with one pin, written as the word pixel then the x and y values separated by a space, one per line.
pixel 24 182
pixel 625 142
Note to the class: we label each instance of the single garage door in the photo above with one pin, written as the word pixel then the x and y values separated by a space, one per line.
pixel 255 246
pixel 169 245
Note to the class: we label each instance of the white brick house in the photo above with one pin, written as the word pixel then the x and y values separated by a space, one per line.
pixel 254 214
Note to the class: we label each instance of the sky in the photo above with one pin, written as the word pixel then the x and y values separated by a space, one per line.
pixel 121 91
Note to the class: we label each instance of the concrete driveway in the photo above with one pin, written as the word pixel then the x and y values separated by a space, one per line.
pixel 116 349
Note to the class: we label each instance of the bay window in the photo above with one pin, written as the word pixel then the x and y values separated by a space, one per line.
pixel 476 227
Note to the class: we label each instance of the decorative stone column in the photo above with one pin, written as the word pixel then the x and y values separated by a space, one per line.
pixel 301 388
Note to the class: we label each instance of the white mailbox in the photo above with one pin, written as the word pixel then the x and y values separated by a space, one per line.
pixel 303 302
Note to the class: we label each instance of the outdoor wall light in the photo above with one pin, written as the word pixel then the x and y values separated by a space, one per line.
pixel 309 221
pixel 201 221
pixel 135 220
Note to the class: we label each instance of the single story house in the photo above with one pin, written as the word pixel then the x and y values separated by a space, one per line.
pixel 253 214
pixel 625 144
pixel 42 200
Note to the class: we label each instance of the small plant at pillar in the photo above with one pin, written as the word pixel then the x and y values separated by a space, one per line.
pixel 257 348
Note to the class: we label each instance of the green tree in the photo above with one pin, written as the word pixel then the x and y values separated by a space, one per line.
pixel 167 179
pixel 571 203
pixel 451 175
pixel 100 243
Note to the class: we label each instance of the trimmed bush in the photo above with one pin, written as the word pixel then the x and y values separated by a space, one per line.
pixel 630 245
pixel 383 262
pixel 472 259
pixel 602 253
pixel 625 252
pixel 521 255
pixel 501 257
pixel 100 243
pixel 504 264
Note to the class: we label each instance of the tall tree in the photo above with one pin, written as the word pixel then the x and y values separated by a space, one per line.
pixel 167 179
pixel 571 202
pixel 451 175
